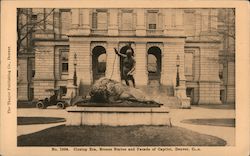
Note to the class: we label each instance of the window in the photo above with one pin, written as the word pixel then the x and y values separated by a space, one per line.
pixel 222 94
pixel 221 71
pixel 189 92
pixel 33 71
pixel 127 20
pixel 34 17
pixel 64 61
pixel 94 20
pixel 100 20
pixel 64 67
pixel 189 63
pixel 152 20
pixel 98 62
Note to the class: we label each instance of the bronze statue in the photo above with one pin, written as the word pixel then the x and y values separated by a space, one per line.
pixel 128 65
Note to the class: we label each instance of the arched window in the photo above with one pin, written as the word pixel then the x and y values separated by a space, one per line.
pixel 154 63
pixel 98 62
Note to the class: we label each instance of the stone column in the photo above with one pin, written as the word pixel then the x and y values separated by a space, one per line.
pixel 141 76
pixel 214 19
pixel 57 66
pixel 209 82
pixel 174 22
pixel 198 22
pixel 209 25
pixel 230 90
pixel 81 47
pixel 168 66
pixel 205 20
pixel 172 49
pixel 179 19
pixel 168 15
pixel 140 25
pixel 75 18
pixel 49 20
pixel 84 21
pixel 44 77
pixel 113 22
pixel 113 62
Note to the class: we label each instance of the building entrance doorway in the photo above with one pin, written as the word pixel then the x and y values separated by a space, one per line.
pixel 98 62
pixel 154 65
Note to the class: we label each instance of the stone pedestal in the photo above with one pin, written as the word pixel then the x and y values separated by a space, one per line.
pixel 72 91
pixel 117 116
pixel 180 93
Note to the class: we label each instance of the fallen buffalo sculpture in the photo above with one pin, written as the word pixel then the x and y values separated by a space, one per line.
pixel 110 92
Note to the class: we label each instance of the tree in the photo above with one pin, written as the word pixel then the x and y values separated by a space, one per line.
pixel 27 23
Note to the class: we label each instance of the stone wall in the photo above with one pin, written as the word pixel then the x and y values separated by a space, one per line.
pixel 45 72
pixel 22 81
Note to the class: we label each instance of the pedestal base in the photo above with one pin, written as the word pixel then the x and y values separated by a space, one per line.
pixel 117 116
pixel 180 93
pixel 72 92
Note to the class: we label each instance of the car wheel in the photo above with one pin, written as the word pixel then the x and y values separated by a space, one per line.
pixel 40 105
pixel 60 105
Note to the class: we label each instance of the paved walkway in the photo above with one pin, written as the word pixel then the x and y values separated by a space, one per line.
pixel 177 115
pixel 226 133
pixel 34 112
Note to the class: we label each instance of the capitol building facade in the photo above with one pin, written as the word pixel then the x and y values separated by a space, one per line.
pixel 78 45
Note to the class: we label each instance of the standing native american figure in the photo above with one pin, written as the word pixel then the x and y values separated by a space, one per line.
pixel 128 66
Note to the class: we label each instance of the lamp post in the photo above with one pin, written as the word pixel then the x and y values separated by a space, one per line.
pixel 75 77
pixel 177 74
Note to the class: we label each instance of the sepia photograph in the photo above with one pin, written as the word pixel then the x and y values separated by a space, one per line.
pixel 125 78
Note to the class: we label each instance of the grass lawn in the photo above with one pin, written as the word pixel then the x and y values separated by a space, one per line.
pixel 211 122
pixel 38 120
pixel 118 136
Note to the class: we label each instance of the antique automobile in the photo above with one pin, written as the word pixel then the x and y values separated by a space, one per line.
pixel 54 99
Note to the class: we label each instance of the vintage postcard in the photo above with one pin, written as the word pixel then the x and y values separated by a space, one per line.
pixel 111 77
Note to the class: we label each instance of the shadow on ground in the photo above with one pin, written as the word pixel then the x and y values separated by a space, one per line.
pixel 118 136
pixel 38 120
pixel 211 122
